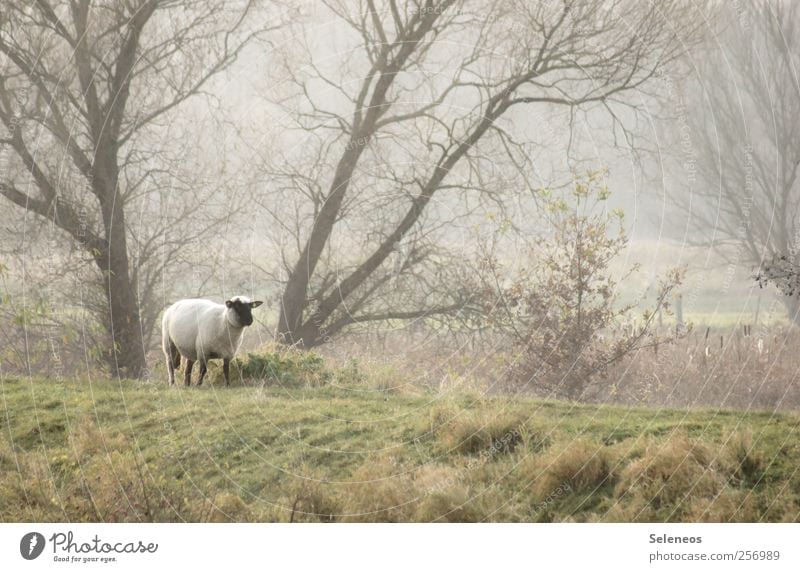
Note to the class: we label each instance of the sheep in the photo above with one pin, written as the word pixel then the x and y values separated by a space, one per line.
pixel 200 330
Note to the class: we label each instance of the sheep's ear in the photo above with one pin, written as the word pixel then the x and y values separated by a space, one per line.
pixel 229 303
pixel 256 303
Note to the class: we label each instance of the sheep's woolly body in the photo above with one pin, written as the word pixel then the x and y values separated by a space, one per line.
pixel 202 330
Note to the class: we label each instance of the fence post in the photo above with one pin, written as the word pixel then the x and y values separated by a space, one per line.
pixel 758 307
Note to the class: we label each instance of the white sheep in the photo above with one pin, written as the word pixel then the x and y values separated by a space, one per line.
pixel 200 330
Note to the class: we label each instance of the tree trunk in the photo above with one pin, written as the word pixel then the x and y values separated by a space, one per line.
pixel 309 336
pixel 126 356
pixel 295 294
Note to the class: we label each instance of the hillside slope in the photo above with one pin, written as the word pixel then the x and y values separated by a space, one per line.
pixel 77 450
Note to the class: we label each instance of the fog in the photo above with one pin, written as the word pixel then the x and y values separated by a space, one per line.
pixel 453 167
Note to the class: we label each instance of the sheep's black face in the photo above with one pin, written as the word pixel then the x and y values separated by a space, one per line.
pixel 243 310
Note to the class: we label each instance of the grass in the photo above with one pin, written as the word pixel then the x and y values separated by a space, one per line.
pixel 89 450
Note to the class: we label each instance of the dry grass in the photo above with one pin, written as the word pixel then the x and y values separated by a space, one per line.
pixel 578 466
pixel 716 367
pixel 385 491
pixel 667 475
pixel 382 490
pixel 102 478
pixel 471 433
pixel 746 461
pixel 307 496
pixel 736 505
pixel 722 368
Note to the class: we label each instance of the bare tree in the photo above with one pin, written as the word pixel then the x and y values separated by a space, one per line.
pixel 430 99
pixel 740 143
pixel 86 91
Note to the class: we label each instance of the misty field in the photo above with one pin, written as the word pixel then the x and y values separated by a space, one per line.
pixel 328 448
pixel 466 260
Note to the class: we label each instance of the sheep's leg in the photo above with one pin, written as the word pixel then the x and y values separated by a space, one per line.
pixel 203 370
pixel 171 370
pixel 187 375
pixel 173 361
pixel 226 366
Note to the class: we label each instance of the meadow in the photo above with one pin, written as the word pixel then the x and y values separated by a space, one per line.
pixel 314 442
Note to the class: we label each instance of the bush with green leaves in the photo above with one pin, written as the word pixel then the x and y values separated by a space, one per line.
pixel 284 367
pixel 556 301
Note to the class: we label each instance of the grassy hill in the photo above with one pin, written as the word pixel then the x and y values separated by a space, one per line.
pixel 76 450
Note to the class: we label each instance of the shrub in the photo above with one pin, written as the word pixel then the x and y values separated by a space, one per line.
pixel 557 301
pixel 283 366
